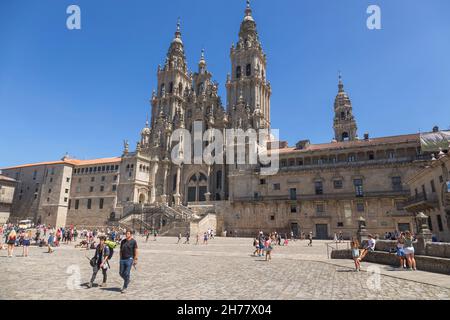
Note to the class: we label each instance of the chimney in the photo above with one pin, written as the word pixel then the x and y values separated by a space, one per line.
pixel 366 136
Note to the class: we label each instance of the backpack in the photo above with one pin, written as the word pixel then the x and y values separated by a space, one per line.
pixel 111 245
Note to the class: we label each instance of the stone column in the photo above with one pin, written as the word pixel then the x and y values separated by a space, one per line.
pixel 177 195
pixel 166 169
pixel 424 235
pixel 153 177
pixel 222 191
pixel 208 192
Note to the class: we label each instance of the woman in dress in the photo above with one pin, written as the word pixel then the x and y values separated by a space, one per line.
pixel 355 254
pixel 11 242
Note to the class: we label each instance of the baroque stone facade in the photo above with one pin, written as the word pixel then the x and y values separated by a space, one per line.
pixel 323 188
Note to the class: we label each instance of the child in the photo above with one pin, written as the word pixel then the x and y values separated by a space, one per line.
pixel 286 242
pixel 268 248
pixel 355 254
pixel 256 245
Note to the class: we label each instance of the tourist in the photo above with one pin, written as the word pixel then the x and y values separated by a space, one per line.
pixel 268 247
pixel 50 242
pixel 335 237
pixel 11 242
pixel 100 260
pixel 370 247
pixel 409 250
pixel 400 250
pixel 37 235
pixel 155 233
pixel 341 236
pixel 205 238
pixel 310 238
pixel 256 246
pixel 128 258
pixel 147 235
pixel 355 254
pixel 26 243
pixel 179 238
pixel 197 239
pixel 187 237
pixel 261 243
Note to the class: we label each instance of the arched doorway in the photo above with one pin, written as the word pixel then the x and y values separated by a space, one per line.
pixel 197 187
pixel 142 198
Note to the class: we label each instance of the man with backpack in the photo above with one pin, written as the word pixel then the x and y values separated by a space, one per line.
pixel 100 261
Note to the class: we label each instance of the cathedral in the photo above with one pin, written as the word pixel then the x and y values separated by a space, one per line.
pixel 321 188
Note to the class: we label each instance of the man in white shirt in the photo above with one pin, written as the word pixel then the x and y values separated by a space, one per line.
pixel 369 247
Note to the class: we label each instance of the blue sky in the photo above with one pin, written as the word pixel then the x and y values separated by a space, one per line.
pixel 85 91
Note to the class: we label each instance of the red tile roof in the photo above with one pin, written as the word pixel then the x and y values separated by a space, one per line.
pixel 355 144
pixel 68 161
pixel 5 178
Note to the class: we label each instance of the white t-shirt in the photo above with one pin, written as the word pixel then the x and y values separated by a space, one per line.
pixel 371 244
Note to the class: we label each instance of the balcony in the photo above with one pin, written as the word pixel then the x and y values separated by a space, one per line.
pixel 422 202
pixel 326 196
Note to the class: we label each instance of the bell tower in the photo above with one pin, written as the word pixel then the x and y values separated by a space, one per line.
pixel 345 128
pixel 248 91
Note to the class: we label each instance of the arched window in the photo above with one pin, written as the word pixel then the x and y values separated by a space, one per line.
pixel 200 88
pixel 238 72
pixel 163 90
pixel 171 87
pixel 345 136
pixel 219 180
pixel 248 70
pixel 180 89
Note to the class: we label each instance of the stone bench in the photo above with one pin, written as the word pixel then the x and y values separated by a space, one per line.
pixel 424 263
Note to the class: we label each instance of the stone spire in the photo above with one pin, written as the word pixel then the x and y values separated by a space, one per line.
pixel 344 122
pixel 202 62
pixel 175 56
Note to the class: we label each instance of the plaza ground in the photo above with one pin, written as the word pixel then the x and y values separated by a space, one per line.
pixel 222 270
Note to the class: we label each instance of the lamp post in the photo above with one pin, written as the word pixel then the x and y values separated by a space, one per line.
pixel 424 235
pixel 362 232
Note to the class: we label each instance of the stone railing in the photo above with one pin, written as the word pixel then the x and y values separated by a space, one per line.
pixel 425 263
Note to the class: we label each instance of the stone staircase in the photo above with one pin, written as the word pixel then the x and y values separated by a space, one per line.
pixel 169 221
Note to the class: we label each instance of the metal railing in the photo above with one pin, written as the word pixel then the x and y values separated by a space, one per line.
pixel 335 246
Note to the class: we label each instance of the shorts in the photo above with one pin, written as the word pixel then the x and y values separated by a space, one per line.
pixel 11 242
pixel 261 246
pixel 26 243
pixel 355 253
pixel 400 252
pixel 408 250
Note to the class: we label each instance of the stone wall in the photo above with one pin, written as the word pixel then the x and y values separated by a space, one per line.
pixel 425 263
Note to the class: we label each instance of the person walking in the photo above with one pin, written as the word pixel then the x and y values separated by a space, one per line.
pixel 310 238
pixel 197 239
pixel 11 242
pixel 128 258
pixel 179 238
pixel 100 260
pixel 205 238
pixel 409 250
pixel 188 235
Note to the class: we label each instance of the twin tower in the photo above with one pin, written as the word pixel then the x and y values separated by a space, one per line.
pixel 184 97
